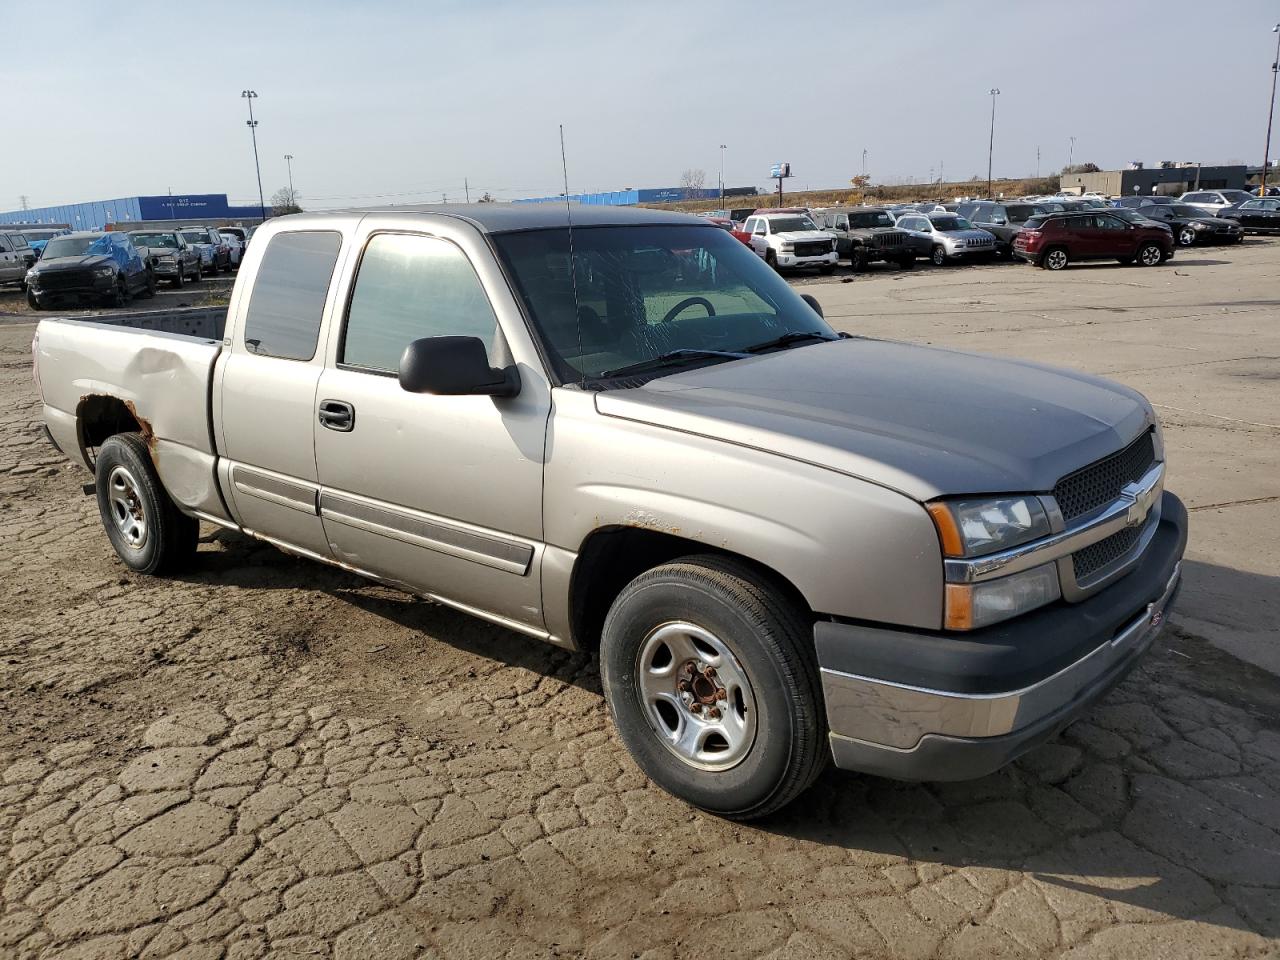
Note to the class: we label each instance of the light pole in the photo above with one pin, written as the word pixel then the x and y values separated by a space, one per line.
pixel 722 150
pixel 288 159
pixel 1071 152
pixel 991 144
pixel 253 129
pixel 1266 151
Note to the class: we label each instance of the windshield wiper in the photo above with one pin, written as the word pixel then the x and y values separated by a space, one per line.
pixel 795 336
pixel 669 358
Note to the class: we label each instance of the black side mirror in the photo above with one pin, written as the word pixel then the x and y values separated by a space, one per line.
pixel 454 366
pixel 813 302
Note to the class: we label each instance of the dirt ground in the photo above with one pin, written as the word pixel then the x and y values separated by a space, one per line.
pixel 269 757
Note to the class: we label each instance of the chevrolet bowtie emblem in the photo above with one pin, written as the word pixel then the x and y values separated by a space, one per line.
pixel 1141 505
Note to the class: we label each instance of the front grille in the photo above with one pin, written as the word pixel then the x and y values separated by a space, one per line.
pixel 1105 552
pixel 887 241
pixel 65 280
pixel 815 248
pixel 1100 483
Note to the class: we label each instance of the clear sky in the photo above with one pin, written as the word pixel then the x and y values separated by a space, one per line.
pixel 400 100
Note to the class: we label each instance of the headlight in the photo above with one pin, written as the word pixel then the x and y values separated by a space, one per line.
pixel 32 276
pixel 974 528
pixel 788 247
pixel 103 272
pixel 973 605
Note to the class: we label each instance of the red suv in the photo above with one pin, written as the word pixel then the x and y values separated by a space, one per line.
pixel 1055 240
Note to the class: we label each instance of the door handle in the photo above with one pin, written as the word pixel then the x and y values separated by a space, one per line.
pixel 338 415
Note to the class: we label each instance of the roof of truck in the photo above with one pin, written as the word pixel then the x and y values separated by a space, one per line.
pixel 502 217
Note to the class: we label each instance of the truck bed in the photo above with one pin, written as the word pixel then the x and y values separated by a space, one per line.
pixel 158 365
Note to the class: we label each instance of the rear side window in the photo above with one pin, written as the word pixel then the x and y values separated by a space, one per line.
pixel 411 287
pixel 1034 223
pixel 287 303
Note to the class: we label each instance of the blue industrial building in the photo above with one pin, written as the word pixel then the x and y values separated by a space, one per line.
pixel 626 198
pixel 125 210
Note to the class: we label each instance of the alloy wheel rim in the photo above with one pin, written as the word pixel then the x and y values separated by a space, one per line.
pixel 1057 260
pixel 126 507
pixel 696 696
pixel 1186 237
pixel 1150 255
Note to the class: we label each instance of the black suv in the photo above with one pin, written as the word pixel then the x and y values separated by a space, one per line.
pixel 866 235
pixel 1002 219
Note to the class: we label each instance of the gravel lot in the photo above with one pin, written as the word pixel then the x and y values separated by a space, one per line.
pixel 271 757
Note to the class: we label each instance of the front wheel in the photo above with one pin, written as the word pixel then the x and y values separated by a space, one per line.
pixel 32 302
pixel 939 256
pixel 150 290
pixel 180 280
pixel 771 259
pixel 857 259
pixel 710 675
pixel 146 530
pixel 1149 254
pixel 1186 237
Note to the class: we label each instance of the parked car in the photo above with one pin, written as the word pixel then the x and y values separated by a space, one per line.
pixel 1003 220
pixel 950 237
pixel 215 255
pixel 917 244
pixel 172 257
pixel 37 237
pixel 1211 201
pixel 1192 225
pixel 867 235
pixel 1130 215
pixel 1056 240
pixel 235 246
pixel 789 240
pixel 89 266
pixel 1259 215
pixel 783 545
pixel 1137 200
pixel 16 258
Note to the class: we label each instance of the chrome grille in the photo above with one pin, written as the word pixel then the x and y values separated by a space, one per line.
pixel 888 240
pixel 1100 483
pixel 1105 552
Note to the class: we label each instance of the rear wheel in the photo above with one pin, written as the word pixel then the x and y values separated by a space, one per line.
pixel 1186 237
pixel 181 279
pixel 1055 258
pixel 1149 254
pixel 710 675
pixel 146 530
pixel 938 255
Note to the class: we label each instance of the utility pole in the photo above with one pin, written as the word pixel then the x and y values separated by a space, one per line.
pixel 1071 152
pixel 25 205
pixel 991 144
pixel 293 197
pixel 864 161
pixel 466 186
pixel 722 149
pixel 253 129
pixel 1037 161
pixel 1266 151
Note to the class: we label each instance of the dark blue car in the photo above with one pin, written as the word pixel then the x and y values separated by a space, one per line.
pixel 98 267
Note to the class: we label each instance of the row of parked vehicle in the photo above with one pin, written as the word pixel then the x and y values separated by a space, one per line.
pixel 1051 232
pixel 58 267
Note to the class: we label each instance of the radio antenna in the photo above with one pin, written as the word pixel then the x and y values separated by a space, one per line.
pixel 573 263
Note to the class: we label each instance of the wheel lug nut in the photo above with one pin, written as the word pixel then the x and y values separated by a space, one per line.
pixel 721 694
pixel 709 671
pixel 696 708
pixel 713 713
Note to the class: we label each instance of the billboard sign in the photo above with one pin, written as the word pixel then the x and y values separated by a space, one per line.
pixel 779 170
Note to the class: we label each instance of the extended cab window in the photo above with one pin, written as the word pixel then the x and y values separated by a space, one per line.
pixel 411 287
pixel 287 304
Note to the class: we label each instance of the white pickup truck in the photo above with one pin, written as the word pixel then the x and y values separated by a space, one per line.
pixel 622 433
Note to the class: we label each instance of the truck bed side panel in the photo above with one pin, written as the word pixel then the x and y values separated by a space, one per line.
pixel 163 378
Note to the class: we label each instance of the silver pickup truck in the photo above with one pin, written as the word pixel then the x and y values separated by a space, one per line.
pixel 619 431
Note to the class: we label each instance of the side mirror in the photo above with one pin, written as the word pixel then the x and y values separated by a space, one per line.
pixel 999 221
pixel 454 366
pixel 813 302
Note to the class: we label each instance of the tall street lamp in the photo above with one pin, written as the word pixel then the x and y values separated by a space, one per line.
pixel 722 150
pixel 995 92
pixel 1266 151
pixel 253 129
pixel 288 159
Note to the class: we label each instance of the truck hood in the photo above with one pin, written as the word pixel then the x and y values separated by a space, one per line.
pixel 803 236
pixel 923 421
pixel 966 235
pixel 73 263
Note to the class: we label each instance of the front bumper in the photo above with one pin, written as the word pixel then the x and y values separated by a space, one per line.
pixel 164 271
pixel 822 260
pixel 938 706
pixel 77 288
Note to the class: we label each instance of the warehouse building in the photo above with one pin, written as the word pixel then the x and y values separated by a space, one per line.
pixel 1169 178
pixel 627 198
pixel 122 211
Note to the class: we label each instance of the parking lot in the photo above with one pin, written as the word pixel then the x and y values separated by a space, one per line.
pixel 268 756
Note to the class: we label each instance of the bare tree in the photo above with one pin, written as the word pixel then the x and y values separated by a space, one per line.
pixel 692 181
pixel 285 200
pixel 487 198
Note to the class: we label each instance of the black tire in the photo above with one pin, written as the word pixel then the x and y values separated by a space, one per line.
pixel 150 290
pixel 199 273
pixel 771 259
pixel 180 280
pixel 857 259
pixel 770 642
pixel 1055 258
pixel 938 256
pixel 1147 258
pixel 121 295
pixel 907 263
pixel 169 537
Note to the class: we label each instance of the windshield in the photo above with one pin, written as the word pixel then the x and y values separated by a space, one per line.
pixel 790 224
pixel 643 292
pixel 193 237
pixel 950 223
pixel 1235 196
pixel 74 247
pixel 167 240
pixel 43 234
pixel 864 220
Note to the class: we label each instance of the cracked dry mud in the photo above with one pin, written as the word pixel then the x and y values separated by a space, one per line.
pixel 270 758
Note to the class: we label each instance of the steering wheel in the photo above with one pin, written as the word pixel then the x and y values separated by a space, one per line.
pixel 689 302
